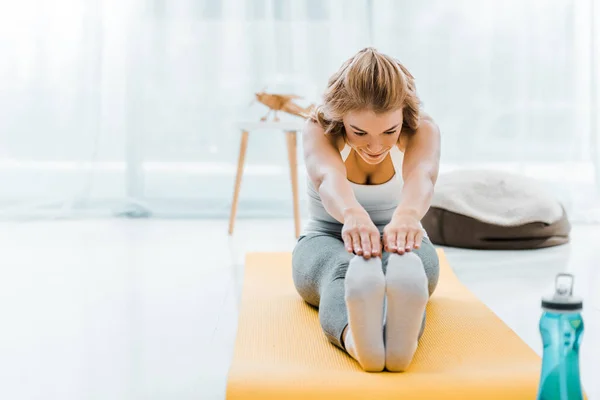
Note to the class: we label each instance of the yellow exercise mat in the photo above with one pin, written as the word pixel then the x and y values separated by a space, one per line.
pixel 466 351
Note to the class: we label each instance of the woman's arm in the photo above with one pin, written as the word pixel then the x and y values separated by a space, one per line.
pixel 419 171
pixel 327 172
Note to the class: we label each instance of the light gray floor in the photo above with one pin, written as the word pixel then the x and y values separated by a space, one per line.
pixel 147 309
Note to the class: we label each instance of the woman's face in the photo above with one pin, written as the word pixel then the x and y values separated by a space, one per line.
pixel 373 135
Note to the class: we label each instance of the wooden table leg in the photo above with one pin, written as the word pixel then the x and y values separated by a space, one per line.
pixel 291 147
pixel 238 180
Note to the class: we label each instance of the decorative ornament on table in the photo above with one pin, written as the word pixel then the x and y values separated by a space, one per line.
pixel 295 95
pixel 282 102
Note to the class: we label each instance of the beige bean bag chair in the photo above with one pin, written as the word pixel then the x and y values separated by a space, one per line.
pixel 482 209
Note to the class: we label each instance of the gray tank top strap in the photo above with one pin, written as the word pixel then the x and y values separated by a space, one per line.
pixel 345 152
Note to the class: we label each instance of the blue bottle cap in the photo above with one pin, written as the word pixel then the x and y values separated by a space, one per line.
pixel 563 299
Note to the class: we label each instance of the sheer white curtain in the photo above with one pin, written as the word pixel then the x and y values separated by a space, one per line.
pixel 513 85
pixel 112 107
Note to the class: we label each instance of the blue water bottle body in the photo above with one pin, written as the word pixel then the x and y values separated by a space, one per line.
pixel 561 335
pixel 561 327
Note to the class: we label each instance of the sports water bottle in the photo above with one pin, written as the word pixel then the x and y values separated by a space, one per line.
pixel 561 328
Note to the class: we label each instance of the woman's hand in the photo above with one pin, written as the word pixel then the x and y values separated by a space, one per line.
pixel 360 234
pixel 403 233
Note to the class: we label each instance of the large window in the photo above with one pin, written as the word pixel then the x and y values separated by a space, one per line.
pixel 106 104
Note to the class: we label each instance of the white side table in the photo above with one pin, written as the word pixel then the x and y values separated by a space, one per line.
pixel 290 128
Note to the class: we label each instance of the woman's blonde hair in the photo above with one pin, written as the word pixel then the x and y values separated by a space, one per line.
pixel 369 80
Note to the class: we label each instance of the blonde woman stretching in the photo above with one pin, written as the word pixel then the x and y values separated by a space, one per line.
pixel 364 258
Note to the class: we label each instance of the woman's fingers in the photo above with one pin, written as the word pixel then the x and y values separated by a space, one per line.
pixel 348 242
pixel 410 240
pixel 375 244
pixel 356 245
pixel 401 242
pixel 419 239
pixel 366 244
pixel 390 242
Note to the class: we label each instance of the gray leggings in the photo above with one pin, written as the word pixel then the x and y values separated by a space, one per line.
pixel 320 262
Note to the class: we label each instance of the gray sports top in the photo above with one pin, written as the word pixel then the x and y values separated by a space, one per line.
pixel 380 201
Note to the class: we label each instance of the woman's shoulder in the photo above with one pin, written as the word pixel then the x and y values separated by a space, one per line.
pixel 313 127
